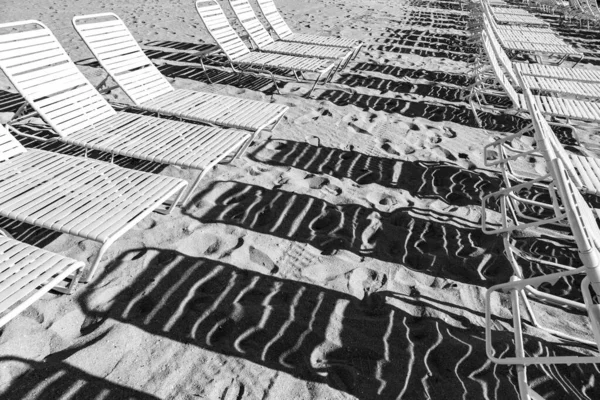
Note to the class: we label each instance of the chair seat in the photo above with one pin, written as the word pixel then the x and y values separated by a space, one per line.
pixel 27 273
pixel 514 35
pixel 79 196
pixel 540 48
pixel 271 60
pixel 551 71
pixel 565 108
pixel 576 88
pixel 519 19
pixel 322 40
pixel 160 140
pixel 307 50
pixel 216 109
pixel 510 10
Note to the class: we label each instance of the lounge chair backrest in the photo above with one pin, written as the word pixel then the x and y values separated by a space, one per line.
pixel 40 69
pixel 118 52
pixel 219 28
pixel 247 17
pixel 274 18
pixel 498 71
pixel 500 53
pixel 9 146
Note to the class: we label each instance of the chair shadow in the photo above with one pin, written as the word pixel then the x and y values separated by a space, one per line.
pixel 369 349
pixel 48 380
pixel 423 240
pixel 400 72
pixel 433 111
pixel 437 180
pixel 411 48
pixel 241 81
pixel 439 112
pixel 437 41
pixel 442 92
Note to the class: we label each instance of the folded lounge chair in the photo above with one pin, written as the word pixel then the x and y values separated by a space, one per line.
pixel 535 43
pixel 120 55
pixel 40 69
pixel 240 56
pixel 82 197
pixel 563 81
pixel 283 31
pixel 27 273
pixel 569 109
pixel 265 43
pixel 573 208
pixel 584 171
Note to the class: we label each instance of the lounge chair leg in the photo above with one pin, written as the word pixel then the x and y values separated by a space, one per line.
pixel 74 281
pixel 91 270
pixel 307 95
pixel 194 185
pixel 245 146
pixel 204 69
pixel 170 205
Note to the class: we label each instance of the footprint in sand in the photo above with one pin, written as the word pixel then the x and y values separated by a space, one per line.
pixel 387 147
pixel 146 224
pixel 262 259
pixel 317 182
pixel 444 153
pixel 414 127
pixel 199 244
pixel 449 133
pixel 363 282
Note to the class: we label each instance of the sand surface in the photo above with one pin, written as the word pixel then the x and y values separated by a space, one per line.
pixel 341 258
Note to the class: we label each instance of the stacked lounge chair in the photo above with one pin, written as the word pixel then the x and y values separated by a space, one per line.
pixel 569 207
pixel 558 107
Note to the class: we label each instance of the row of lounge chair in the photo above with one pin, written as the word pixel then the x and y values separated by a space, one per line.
pixel 100 201
pixel 566 93
pixel 570 95
pixel 584 11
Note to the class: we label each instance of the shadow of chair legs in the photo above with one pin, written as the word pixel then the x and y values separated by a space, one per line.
pixel 50 381
pixel 369 349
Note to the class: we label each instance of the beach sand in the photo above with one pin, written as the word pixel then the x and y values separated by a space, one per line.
pixel 341 258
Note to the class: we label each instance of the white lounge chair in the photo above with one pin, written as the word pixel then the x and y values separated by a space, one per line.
pixel 574 82
pixel 27 273
pixel 569 109
pixel 264 42
pixel 535 43
pixel 238 54
pixel 120 55
pixel 82 197
pixel 573 208
pixel 40 69
pixel 283 31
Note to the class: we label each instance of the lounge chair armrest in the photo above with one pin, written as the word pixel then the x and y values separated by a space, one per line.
pixel 39 139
